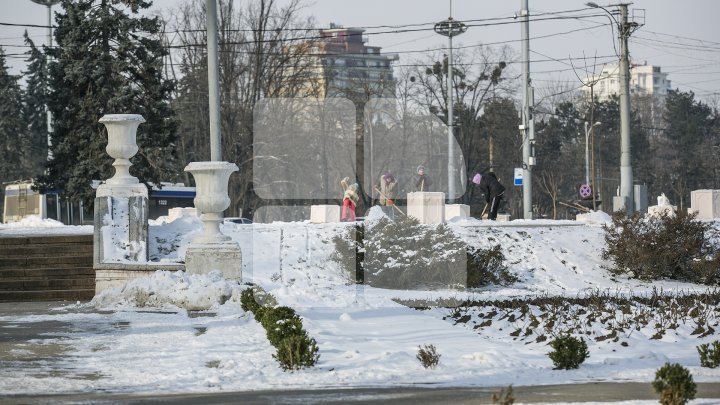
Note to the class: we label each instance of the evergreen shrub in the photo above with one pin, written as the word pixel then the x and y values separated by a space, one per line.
pixel 254 299
pixel 247 300
pixel 428 356
pixel 652 248
pixel 280 323
pixel 297 351
pixel 709 354
pixel 284 329
pixel 487 266
pixel 404 254
pixel 568 352
pixel 675 384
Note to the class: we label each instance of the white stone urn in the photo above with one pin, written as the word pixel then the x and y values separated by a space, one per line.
pixel 122 144
pixel 211 197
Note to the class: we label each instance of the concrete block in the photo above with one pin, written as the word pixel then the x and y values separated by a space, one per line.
pixel 107 278
pixel 456 210
pixel 204 258
pixel 427 207
pixel 503 218
pixel 641 197
pixel 321 214
pixel 706 203
pixel 110 275
pixel 619 203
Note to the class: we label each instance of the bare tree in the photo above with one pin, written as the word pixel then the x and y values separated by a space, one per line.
pixel 551 182
pixel 262 49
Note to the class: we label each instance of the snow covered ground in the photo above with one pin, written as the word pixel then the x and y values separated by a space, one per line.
pixel 33 225
pixel 184 333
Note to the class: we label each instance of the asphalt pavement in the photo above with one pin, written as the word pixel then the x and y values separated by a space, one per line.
pixel 30 335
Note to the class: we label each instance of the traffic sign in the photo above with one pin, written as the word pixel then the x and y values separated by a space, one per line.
pixel 518 176
pixel 585 192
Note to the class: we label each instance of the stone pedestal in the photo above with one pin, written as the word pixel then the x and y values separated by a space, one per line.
pixel 427 207
pixel 212 250
pixel 121 204
pixel 706 203
pixel 204 258
pixel 321 214
pixel 120 229
pixel 456 210
pixel 503 218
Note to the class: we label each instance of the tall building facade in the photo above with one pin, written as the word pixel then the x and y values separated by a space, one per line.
pixel 645 80
pixel 648 87
pixel 344 65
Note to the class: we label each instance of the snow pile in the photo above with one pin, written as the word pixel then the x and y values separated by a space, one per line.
pixel 168 240
pixel 595 217
pixel 33 221
pixel 171 290
pixel 33 225
pixel 373 216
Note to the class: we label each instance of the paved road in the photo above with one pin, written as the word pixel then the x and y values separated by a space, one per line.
pixel 24 333
pixel 597 392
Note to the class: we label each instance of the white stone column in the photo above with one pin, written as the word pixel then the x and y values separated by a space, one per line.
pixel 212 250
pixel 121 203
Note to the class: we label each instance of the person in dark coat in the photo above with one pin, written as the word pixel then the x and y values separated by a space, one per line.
pixel 493 191
pixel 421 181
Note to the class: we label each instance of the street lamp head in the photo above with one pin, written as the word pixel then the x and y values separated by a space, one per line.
pixel 450 28
pixel 48 3
pixel 597 123
pixel 589 4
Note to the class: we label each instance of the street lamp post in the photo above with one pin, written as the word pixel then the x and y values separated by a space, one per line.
pixel 587 151
pixel 450 28
pixel 588 180
pixel 213 81
pixel 48 4
pixel 626 176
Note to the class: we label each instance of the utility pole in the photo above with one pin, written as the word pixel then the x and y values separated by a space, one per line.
pixel 626 174
pixel 213 81
pixel 48 4
pixel 527 130
pixel 625 28
pixel 450 28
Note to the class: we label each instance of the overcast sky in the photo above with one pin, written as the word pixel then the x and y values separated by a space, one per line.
pixel 682 37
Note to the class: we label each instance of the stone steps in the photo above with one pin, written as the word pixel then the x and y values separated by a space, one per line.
pixel 36 268
pixel 47 295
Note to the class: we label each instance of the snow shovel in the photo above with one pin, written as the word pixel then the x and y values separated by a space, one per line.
pixel 385 197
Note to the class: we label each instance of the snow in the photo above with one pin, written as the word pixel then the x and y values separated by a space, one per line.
pixel 173 332
pixel 33 225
